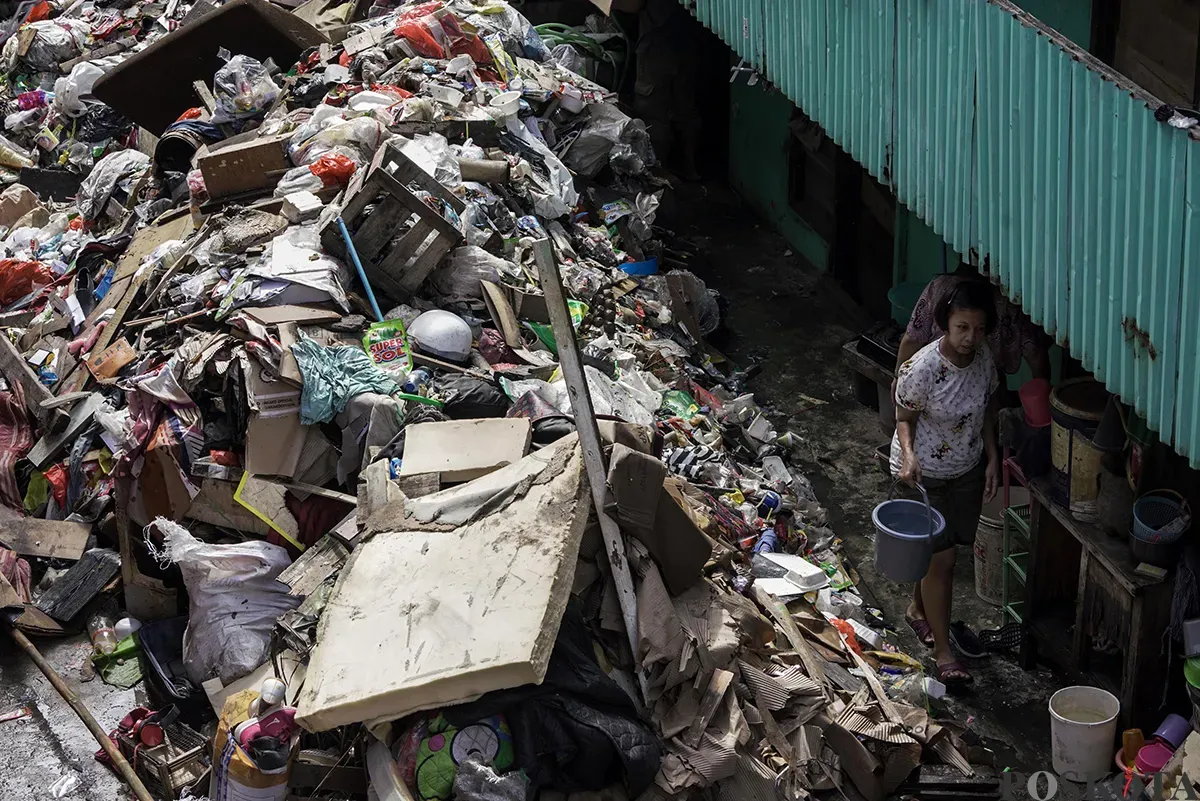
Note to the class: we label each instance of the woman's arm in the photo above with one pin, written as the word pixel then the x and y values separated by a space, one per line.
pixel 991 447
pixel 906 433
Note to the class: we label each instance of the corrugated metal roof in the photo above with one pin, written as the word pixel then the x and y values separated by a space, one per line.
pixel 1021 151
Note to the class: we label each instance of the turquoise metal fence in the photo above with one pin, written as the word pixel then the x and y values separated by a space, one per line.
pixel 1024 153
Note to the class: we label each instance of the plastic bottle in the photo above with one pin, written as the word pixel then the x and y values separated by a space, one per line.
pixel 100 628
pixel 418 378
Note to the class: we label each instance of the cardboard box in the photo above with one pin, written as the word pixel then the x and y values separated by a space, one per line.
pixel 463 450
pixel 245 166
pixel 656 518
pixel 165 488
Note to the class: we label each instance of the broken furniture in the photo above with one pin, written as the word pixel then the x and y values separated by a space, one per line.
pixel 1082 583
pixel 461 592
pixel 154 87
pixel 398 236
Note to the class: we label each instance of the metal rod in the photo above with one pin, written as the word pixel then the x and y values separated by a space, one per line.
pixel 362 275
pixel 69 695
pixel 589 438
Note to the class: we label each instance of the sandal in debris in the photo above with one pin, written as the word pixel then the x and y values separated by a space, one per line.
pixel 1004 638
pixel 922 629
pixel 965 641
pixel 953 674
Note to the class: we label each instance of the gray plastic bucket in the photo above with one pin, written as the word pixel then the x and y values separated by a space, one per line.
pixel 904 532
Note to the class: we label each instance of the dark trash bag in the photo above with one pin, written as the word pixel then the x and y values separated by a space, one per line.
pixel 166 678
pixel 577 730
pixel 469 398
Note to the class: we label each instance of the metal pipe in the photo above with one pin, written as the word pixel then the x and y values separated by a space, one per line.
pixel 362 275
pixel 127 773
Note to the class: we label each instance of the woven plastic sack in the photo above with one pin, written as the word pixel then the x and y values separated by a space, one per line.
pixel 234 601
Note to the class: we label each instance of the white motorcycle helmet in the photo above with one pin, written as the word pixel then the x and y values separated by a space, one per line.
pixel 442 334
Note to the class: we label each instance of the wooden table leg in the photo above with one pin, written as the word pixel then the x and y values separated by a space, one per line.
pixel 1144 673
pixel 1081 647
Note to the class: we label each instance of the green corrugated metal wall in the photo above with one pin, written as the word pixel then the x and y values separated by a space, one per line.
pixel 1024 153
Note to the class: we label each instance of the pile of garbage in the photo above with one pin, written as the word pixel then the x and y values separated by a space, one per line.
pixel 354 401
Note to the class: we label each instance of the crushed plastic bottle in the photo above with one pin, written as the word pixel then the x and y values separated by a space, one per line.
pixel 104 636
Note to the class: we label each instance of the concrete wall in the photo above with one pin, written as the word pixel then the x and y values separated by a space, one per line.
pixel 758 164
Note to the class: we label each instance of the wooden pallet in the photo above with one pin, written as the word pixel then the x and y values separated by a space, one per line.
pixel 396 269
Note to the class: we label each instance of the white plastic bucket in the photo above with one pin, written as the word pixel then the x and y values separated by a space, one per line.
pixel 1083 730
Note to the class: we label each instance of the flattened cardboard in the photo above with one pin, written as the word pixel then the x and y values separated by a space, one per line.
pixel 463 450
pixel 292 313
pixel 656 519
pixel 108 362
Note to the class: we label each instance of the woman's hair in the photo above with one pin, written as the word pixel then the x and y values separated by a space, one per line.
pixel 968 294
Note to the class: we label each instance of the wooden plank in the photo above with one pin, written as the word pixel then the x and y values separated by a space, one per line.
pixel 75 589
pixel 813 664
pixel 718 683
pixel 406 248
pixel 53 539
pixel 17 371
pixel 420 269
pixel 314 566
pixel 589 438
pixel 374 233
pixel 50 444
pixel 416 205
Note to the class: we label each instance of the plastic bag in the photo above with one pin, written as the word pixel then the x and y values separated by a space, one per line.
pixel 234 601
pixel 12 155
pixel 243 88
pixel 459 278
pixel 356 139
pixel 19 278
pixel 299 179
pixel 55 41
pixel 70 90
pixel 432 153
pixel 112 171
pixel 333 169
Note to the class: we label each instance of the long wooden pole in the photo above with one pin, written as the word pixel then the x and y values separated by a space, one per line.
pixel 589 437
pixel 69 695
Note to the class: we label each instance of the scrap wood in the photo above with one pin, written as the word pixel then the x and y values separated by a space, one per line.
pixel 717 685
pixel 48 446
pixel 589 437
pixel 265 500
pixel 75 589
pixel 779 612
pixel 53 539
pixel 17 371
pixel 314 566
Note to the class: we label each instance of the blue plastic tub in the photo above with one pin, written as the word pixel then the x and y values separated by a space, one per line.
pixel 904 532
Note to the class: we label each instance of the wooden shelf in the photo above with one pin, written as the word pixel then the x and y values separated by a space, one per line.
pixel 1113 553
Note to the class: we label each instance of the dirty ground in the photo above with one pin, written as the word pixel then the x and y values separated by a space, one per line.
pixel 785 313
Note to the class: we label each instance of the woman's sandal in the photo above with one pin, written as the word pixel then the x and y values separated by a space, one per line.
pixel 922 629
pixel 953 674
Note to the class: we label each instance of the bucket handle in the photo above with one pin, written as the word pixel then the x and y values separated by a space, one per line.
pixel 924 497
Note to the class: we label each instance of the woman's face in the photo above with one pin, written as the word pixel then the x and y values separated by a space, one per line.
pixel 968 329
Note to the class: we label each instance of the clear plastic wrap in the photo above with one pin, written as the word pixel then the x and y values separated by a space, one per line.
pixel 243 88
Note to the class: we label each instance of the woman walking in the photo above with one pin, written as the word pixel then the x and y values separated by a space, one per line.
pixel 945 439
